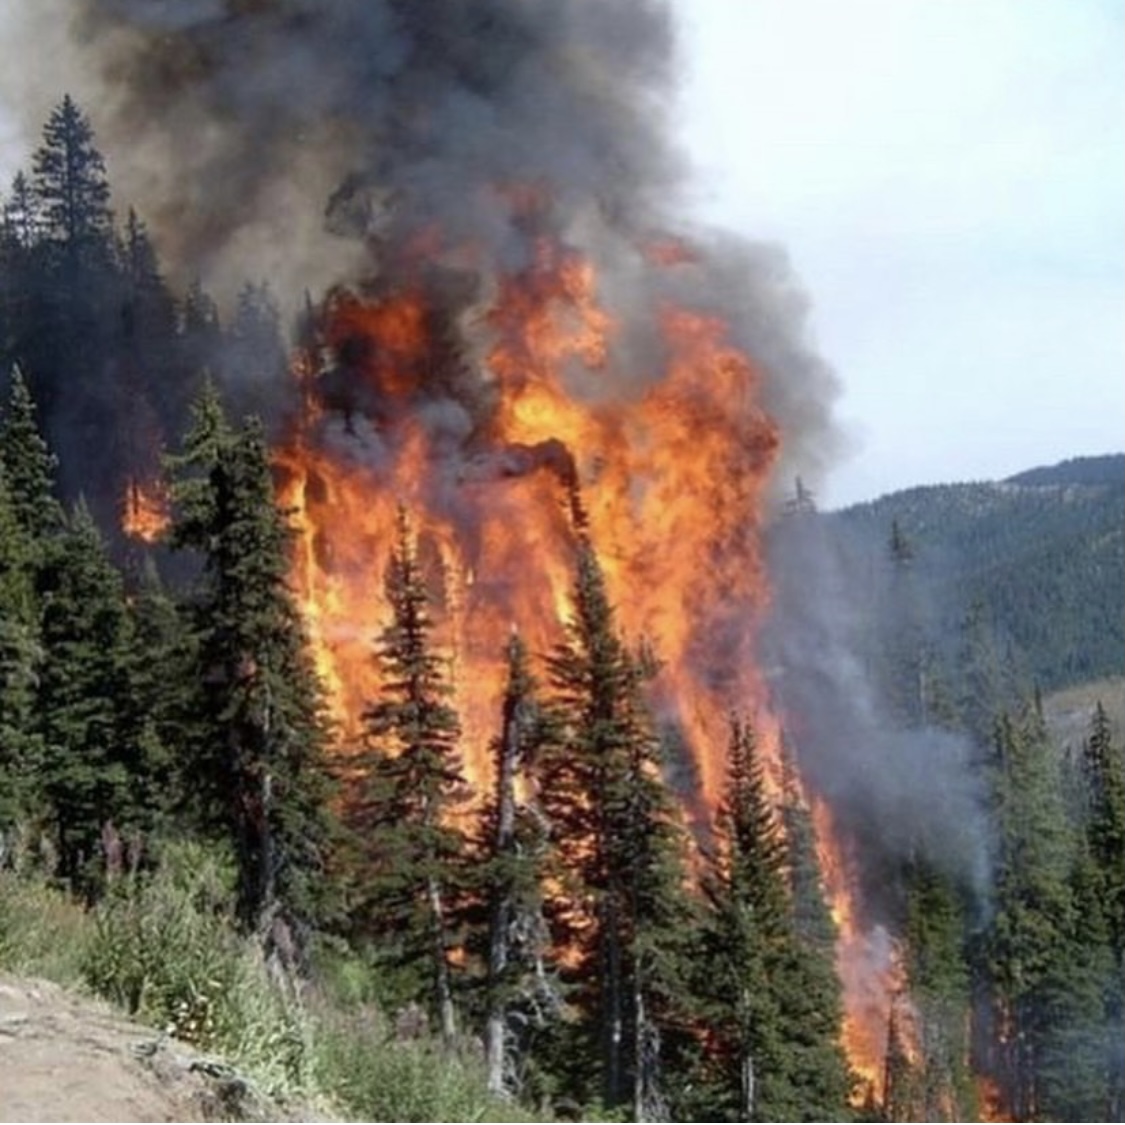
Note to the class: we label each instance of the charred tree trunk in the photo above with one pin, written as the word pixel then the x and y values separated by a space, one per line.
pixel 443 985
pixel 613 1022
pixel 500 922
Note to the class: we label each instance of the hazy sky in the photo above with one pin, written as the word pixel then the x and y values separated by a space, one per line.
pixel 949 178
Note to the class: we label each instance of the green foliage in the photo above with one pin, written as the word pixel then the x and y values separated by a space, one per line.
pixel 257 747
pixel 20 659
pixel 42 932
pixel 28 464
pixel 376 1076
pixel 87 763
pixel 940 989
pixel 70 180
pixel 1044 553
pixel 622 912
pixel 164 947
pixel 769 999
pixel 411 781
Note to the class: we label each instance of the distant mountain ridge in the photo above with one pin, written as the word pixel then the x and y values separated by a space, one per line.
pixel 1108 469
pixel 1042 551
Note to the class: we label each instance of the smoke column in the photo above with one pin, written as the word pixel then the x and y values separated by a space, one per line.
pixel 312 142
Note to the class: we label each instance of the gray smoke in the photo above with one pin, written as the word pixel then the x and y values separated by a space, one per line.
pixel 898 790
pixel 313 143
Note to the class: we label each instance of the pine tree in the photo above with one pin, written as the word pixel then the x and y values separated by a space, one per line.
pixel 22 219
pixel 160 713
pixel 29 466
pixel 744 942
pixel 939 986
pixel 622 912
pixel 411 785
pixel 255 768
pixel 20 659
pixel 71 184
pixel 771 1001
pixel 1105 823
pixel 87 765
pixel 1102 891
pixel 1027 940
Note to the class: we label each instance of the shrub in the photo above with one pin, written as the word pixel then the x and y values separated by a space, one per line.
pixel 164 947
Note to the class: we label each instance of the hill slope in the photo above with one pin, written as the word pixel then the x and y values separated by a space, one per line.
pixel 1043 552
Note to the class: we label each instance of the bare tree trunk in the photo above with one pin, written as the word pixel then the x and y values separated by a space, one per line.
pixel 495 1035
pixel 747 1076
pixel 442 983
pixel 613 1027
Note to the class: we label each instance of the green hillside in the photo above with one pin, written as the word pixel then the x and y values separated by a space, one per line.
pixel 1043 552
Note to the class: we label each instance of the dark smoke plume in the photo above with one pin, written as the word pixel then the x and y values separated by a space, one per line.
pixel 314 142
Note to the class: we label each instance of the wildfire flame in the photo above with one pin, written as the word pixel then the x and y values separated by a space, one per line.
pixel 672 475
pixel 146 516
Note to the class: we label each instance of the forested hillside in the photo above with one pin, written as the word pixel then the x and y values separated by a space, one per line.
pixel 1042 552
pixel 556 904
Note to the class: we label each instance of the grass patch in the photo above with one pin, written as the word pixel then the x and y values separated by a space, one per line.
pixel 162 946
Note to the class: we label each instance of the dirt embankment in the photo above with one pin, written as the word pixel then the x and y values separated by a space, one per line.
pixel 68 1058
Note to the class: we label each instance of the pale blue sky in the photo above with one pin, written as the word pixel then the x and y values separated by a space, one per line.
pixel 949 178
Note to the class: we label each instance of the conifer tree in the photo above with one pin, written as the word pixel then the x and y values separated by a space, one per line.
pixel 87 764
pixel 1033 913
pixel 939 983
pixel 20 659
pixel 621 847
pixel 29 466
pixel 770 997
pixel 255 769
pixel 71 184
pixel 1102 892
pixel 411 784
pixel 520 991
pixel 160 713
pixel 1105 823
pixel 22 221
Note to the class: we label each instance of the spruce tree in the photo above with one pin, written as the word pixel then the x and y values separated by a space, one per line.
pixel 771 1001
pixel 410 788
pixel 622 913
pixel 1027 940
pixel 71 184
pixel 1102 891
pixel 87 763
pixel 255 768
pixel 21 217
pixel 29 466
pixel 20 660
pixel 939 985
pixel 1105 823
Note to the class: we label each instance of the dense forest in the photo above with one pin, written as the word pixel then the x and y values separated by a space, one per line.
pixel 564 932
pixel 1043 551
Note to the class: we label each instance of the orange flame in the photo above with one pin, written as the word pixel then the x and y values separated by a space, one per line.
pixel 672 473
pixel 146 515
pixel 869 971
pixel 670 450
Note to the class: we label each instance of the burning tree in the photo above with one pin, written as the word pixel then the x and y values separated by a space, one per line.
pixel 622 918
pixel 410 783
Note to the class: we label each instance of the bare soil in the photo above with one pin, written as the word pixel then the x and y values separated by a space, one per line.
pixel 69 1058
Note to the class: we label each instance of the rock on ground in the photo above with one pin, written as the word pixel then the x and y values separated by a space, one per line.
pixel 69 1058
